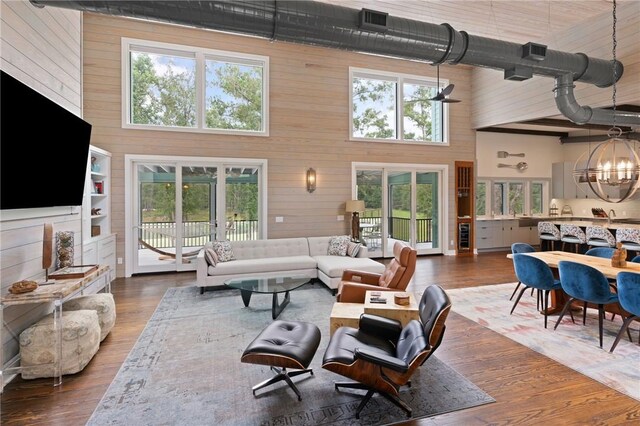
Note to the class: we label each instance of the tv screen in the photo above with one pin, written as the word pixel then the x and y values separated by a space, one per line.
pixel 43 150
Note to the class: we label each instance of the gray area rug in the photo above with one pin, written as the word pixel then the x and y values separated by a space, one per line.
pixel 185 369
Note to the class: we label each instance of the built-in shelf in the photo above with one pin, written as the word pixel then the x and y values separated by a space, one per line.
pixel 98 243
pixel 465 189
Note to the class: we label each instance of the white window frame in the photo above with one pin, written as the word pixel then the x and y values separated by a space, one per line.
pixel 399 79
pixel 546 195
pixel 200 55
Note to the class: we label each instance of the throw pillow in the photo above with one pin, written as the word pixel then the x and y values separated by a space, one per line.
pixel 338 245
pixel 210 256
pixel 353 248
pixel 223 250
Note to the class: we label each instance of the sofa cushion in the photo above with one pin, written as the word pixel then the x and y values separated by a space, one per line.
pixel 278 247
pixel 333 266
pixel 338 245
pixel 271 264
pixel 223 250
pixel 211 256
pixel 353 248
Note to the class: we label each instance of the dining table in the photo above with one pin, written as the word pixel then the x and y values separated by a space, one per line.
pixel 553 258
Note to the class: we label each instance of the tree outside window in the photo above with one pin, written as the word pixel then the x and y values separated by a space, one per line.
pixel 164 83
pixel 481 199
pixel 516 198
pixel 378 110
pixel 374 108
pixel 163 90
pixel 233 96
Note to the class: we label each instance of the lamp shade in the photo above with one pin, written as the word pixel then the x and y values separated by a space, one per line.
pixel 354 206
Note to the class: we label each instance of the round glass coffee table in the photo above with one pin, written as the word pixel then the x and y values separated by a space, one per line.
pixel 273 285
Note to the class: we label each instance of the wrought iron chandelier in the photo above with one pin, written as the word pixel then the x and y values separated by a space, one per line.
pixel 612 169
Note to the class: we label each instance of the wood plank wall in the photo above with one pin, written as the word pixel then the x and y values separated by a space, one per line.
pixel 43 49
pixel 309 123
pixel 497 101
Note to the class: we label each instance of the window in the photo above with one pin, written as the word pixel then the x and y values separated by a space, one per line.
pixel 396 107
pixel 516 198
pixel 481 199
pixel 497 207
pixel 536 197
pixel 163 89
pixel 173 87
pixel 511 197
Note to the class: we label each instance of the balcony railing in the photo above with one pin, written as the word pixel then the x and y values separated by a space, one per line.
pixel 399 228
pixel 162 234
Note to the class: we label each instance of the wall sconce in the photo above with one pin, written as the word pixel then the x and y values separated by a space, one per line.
pixel 311 180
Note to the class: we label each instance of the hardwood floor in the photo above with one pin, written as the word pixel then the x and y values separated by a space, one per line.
pixel 529 388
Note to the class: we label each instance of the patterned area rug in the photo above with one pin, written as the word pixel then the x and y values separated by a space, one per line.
pixel 185 369
pixel 573 345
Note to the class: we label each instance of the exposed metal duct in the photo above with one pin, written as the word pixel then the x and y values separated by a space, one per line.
pixel 569 107
pixel 328 25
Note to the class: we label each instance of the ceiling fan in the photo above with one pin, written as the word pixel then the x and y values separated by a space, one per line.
pixel 442 95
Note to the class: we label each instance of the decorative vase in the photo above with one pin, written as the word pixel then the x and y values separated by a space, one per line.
pixel 64 249
pixel 619 258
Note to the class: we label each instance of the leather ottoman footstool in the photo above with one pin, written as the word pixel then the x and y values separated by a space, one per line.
pixel 282 345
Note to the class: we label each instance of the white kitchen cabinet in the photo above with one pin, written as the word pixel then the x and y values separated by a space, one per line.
pixel 500 234
pixel 487 232
pixel 564 185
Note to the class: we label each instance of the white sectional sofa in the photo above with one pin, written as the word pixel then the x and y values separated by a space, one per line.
pixel 305 256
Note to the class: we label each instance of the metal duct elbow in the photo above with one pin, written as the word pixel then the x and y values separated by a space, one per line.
pixel 569 107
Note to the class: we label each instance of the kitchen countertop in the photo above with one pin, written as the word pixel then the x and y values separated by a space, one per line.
pixel 575 220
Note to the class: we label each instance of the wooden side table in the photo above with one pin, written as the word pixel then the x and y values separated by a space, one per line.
pixel 402 313
pixel 345 315
pixel 348 314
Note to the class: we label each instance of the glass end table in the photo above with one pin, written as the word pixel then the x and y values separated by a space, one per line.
pixel 272 285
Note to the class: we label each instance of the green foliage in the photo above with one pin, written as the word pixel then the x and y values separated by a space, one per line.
pixel 372 100
pixel 242 199
pixel 481 199
pixel 417 109
pixel 162 99
pixel 239 106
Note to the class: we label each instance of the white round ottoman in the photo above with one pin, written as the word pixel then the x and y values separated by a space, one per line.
pixel 102 303
pixel 80 342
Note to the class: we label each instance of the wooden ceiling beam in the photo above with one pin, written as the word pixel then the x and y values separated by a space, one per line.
pixel 524 132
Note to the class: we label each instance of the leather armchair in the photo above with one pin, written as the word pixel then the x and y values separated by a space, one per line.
pixel 396 276
pixel 381 355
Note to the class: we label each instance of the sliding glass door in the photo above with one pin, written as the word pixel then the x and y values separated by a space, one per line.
pixel 178 206
pixel 402 203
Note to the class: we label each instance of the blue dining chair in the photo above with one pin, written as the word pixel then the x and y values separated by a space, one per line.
pixel 604 252
pixel 636 259
pixel 629 297
pixel 588 285
pixel 520 248
pixel 534 273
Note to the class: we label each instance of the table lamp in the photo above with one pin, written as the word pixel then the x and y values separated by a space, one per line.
pixel 355 207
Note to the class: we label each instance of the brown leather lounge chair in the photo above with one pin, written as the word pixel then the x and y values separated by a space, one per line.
pixel 381 355
pixel 395 277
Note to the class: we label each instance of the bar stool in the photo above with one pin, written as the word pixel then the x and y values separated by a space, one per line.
pixel 630 239
pixel 572 234
pixel 548 232
pixel 599 236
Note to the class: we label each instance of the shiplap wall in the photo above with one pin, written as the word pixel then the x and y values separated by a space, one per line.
pixel 43 49
pixel 497 101
pixel 309 122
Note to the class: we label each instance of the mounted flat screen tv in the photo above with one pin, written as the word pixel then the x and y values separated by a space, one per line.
pixel 43 150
